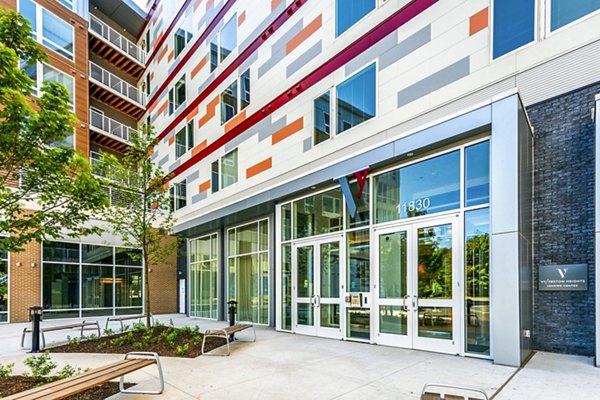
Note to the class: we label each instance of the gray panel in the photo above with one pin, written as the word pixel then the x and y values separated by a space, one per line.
pixel 174 165
pixel 247 63
pixel 268 130
pixel 163 161
pixel 207 82
pixel 307 144
pixel 405 47
pixel 372 53
pixel 436 81
pixel 264 129
pixel 199 197
pixel 159 25
pixel 304 59
pixel 278 52
pixel 193 176
pixel 263 26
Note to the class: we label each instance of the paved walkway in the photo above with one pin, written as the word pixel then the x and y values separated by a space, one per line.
pixel 285 366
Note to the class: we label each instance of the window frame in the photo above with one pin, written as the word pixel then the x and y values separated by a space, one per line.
pixel 188 132
pixel 217 36
pixel 378 4
pixel 37 89
pixel 185 27
pixel 66 3
pixel 375 64
pixel 547 29
pixel 239 109
pixel 38 33
pixel 173 95
pixel 219 163
pixel 536 31
pixel 175 194
pixel 332 116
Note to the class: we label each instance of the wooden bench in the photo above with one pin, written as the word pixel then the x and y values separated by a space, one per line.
pixel 139 317
pixel 441 391
pixel 82 325
pixel 82 382
pixel 227 334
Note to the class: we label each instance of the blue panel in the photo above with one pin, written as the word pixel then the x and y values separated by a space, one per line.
pixel 349 12
pixel 563 12
pixel 514 25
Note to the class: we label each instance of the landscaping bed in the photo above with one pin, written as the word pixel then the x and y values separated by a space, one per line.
pixel 167 341
pixel 19 383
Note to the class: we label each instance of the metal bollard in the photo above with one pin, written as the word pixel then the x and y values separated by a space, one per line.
pixel 35 316
pixel 232 311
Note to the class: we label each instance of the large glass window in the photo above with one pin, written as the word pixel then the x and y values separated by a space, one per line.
pixel 563 12
pixel 182 37
pixel 349 12
pixel 179 195
pixel 427 187
pixel 358 261
pixel 3 286
pixel 81 280
pixel 477 171
pixel 203 277
pixel 318 214
pixel 51 31
pixel 286 286
pixel 224 171
pixel 236 97
pixel 513 25
pixel 177 95
pixel 184 139
pixel 477 281
pixel 223 43
pixel 355 99
pixel 248 261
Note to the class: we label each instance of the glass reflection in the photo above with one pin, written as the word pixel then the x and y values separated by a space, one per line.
pixel 363 215
pixel 318 214
pixel 392 265
pixel 355 99
pixel 305 274
pixel 358 261
pixel 393 319
pixel 330 270
pixel 477 171
pixel 349 12
pixel 330 315
pixel 435 322
pixel 435 262
pixel 322 130
pixel 286 286
pixel 477 281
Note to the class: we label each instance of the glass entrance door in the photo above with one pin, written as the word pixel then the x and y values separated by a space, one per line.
pixel 316 275
pixel 418 286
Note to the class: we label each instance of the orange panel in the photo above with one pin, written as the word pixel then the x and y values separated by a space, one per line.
pixel 242 18
pixel 162 53
pixel 209 4
pixel 288 130
pixel 478 21
pixel 274 4
pixel 197 4
pixel 198 67
pixel 171 140
pixel 163 107
pixel 171 55
pixel 303 34
pixel 210 111
pixel 199 148
pixel 260 167
pixel 191 115
pixel 235 121
pixel 204 186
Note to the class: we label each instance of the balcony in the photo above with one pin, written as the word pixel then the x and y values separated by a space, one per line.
pixel 110 133
pixel 115 48
pixel 115 92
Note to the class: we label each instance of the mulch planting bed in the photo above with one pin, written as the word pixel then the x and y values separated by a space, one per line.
pixel 167 341
pixel 18 383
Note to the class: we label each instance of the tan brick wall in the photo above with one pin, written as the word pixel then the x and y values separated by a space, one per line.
pixel 25 284
pixel 163 285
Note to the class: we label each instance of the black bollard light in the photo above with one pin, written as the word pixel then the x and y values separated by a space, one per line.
pixel 35 316
pixel 232 311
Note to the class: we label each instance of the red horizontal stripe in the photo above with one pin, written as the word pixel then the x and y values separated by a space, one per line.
pixel 244 55
pixel 395 21
pixel 191 52
pixel 168 31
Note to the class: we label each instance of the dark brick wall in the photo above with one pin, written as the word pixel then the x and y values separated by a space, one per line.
pixel 564 322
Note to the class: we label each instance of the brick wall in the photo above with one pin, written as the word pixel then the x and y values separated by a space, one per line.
pixel 163 285
pixel 25 282
pixel 564 218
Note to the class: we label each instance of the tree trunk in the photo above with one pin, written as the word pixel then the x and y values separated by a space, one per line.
pixel 147 290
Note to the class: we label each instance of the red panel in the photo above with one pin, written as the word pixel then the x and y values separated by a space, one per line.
pixel 395 21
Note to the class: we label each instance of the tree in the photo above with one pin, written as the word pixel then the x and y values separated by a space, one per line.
pixel 46 190
pixel 141 214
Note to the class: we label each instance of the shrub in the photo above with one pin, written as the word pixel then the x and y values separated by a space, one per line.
pixel 138 346
pixel 41 366
pixel 73 341
pixel 108 332
pixel 6 370
pixel 68 371
pixel 123 340
pixel 182 351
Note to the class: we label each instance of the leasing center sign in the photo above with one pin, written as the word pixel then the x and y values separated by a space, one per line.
pixel 563 277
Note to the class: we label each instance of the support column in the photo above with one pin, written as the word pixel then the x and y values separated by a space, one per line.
pixel 597 227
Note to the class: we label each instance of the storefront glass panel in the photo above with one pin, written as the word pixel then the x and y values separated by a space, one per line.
pixel 318 214
pixel 362 217
pixel 203 277
pixel 358 261
pixel 393 319
pixel 286 286
pixel 477 174
pixel 61 286
pixel 392 265
pixel 435 262
pixel 477 281
pixel 97 286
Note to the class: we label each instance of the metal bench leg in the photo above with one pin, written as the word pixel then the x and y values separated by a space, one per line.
pixel 224 336
pixel 121 321
pixel 98 326
pixel 43 339
pixel 160 376
pixel 23 337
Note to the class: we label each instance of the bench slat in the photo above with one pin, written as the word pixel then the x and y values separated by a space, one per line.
pixel 79 383
pixel 229 330
pixel 72 326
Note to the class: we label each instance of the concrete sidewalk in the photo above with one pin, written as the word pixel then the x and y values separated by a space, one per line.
pixel 287 366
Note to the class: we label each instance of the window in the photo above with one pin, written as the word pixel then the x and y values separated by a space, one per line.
pixel 236 97
pixel 513 25
pixel 349 12
pixel 147 41
pixel 42 72
pixel 179 195
pixel 80 280
pixel 67 3
pixel 248 265
pixel 177 96
pixel 223 43
pixel 477 174
pixel 318 214
pixel 204 283
pixel 184 139
pixel 147 84
pixel 224 171
pixel 48 29
pixel 322 130
pixel 355 99
pixel 3 286
pixel 563 12
pixel 182 38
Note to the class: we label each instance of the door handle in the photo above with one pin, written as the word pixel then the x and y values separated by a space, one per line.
pixel 404 306
pixel 317 300
pixel 415 302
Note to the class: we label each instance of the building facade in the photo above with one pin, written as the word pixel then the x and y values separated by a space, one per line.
pixel 92 49
pixel 412 173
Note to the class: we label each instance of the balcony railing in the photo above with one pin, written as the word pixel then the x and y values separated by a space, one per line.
pixel 113 82
pixel 116 39
pixel 110 126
